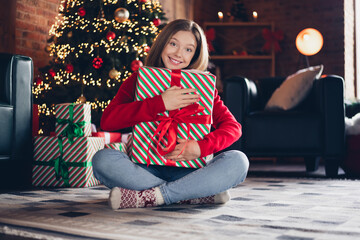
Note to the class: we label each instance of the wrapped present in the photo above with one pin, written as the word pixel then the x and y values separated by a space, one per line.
pixel 110 137
pixel 128 140
pixel 124 146
pixel 60 163
pixel 35 120
pixel 73 120
pixel 120 146
pixel 192 122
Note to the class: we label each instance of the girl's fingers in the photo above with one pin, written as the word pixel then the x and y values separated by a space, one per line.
pixel 189 101
pixel 190 96
pixel 187 90
pixel 175 87
pixel 180 140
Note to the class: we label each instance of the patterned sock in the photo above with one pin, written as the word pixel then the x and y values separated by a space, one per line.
pixel 219 198
pixel 125 198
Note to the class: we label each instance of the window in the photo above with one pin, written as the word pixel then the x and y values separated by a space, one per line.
pixel 357 48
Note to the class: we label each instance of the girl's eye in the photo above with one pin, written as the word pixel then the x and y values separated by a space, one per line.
pixel 172 44
pixel 189 50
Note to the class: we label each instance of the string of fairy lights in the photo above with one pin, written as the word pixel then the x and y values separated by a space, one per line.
pixel 122 43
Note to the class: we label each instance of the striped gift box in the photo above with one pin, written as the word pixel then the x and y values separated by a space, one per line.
pixel 110 137
pixel 154 81
pixel 73 161
pixel 81 113
pixel 120 146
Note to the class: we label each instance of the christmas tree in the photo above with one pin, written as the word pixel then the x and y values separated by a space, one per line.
pixel 95 45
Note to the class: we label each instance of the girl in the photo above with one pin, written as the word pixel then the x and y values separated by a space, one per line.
pixel 180 45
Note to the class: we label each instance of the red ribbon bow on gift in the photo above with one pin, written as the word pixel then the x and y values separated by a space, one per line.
pixel 168 124
pixel 272 39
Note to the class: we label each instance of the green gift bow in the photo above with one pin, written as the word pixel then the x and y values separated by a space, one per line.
pixel 73 129
pixel 60 166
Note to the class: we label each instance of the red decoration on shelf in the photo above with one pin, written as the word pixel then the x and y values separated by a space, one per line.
pixel 210 36
pixel 272 39
pixel 110 36
pixel 242 53
pixel 135 65
pixel 51 72
pixel 143 1
pixel 69 68
pixel 97 62
pixel 81 11
pixel 38 81
pixel 146 48
pixel 156 21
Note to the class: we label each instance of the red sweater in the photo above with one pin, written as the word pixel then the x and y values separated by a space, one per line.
pixel 124 112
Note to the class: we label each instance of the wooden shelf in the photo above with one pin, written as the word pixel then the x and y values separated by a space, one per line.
pixel 237 57
pixel 229 31
pixel 238 24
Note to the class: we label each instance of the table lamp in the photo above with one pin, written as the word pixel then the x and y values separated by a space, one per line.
pixel 309 42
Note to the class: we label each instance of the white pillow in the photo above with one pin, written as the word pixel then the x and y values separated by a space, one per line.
pixel 294 89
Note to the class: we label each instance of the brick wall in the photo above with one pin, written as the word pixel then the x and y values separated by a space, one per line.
pixel 34 18
pixel 291 17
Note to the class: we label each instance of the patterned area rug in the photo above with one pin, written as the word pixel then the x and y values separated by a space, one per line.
pixel 261 208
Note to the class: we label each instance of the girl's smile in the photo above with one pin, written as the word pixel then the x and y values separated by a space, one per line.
pixel 179 51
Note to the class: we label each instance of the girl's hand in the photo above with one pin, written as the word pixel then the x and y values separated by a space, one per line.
pixel 190 152
pixel 176 97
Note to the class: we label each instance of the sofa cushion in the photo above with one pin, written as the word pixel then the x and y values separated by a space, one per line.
pixel 6 129
pixel 275 132
pixel 294 89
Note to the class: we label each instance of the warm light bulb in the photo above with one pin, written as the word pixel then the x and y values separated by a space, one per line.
pixel 221 16
pixel 255 15
pixel 309 41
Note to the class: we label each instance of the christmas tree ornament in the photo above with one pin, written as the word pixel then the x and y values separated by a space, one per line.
pixel 156 22
pixel 135 65
pixel 70 34
pixel 81 11
pixel 110 35
pixel 146 49
pixel 48 48
pixel 113 74
pixel 121 15
pixel 69 68
pixel 82 99
pixel 38 81
pixel 51 72
pixel 97 62
pixel 143 1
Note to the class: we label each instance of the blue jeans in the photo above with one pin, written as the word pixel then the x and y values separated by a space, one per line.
pixel 114 169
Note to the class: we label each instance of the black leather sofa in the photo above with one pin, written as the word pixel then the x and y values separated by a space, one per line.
pixel 314 129
pixel 16 74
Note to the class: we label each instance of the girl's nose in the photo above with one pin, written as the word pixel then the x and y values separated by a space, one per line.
pixel 178 52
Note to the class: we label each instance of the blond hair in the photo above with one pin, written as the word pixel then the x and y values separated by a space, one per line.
pixel 200 59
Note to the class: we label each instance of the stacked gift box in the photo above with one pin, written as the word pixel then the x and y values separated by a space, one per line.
pixel 65 160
